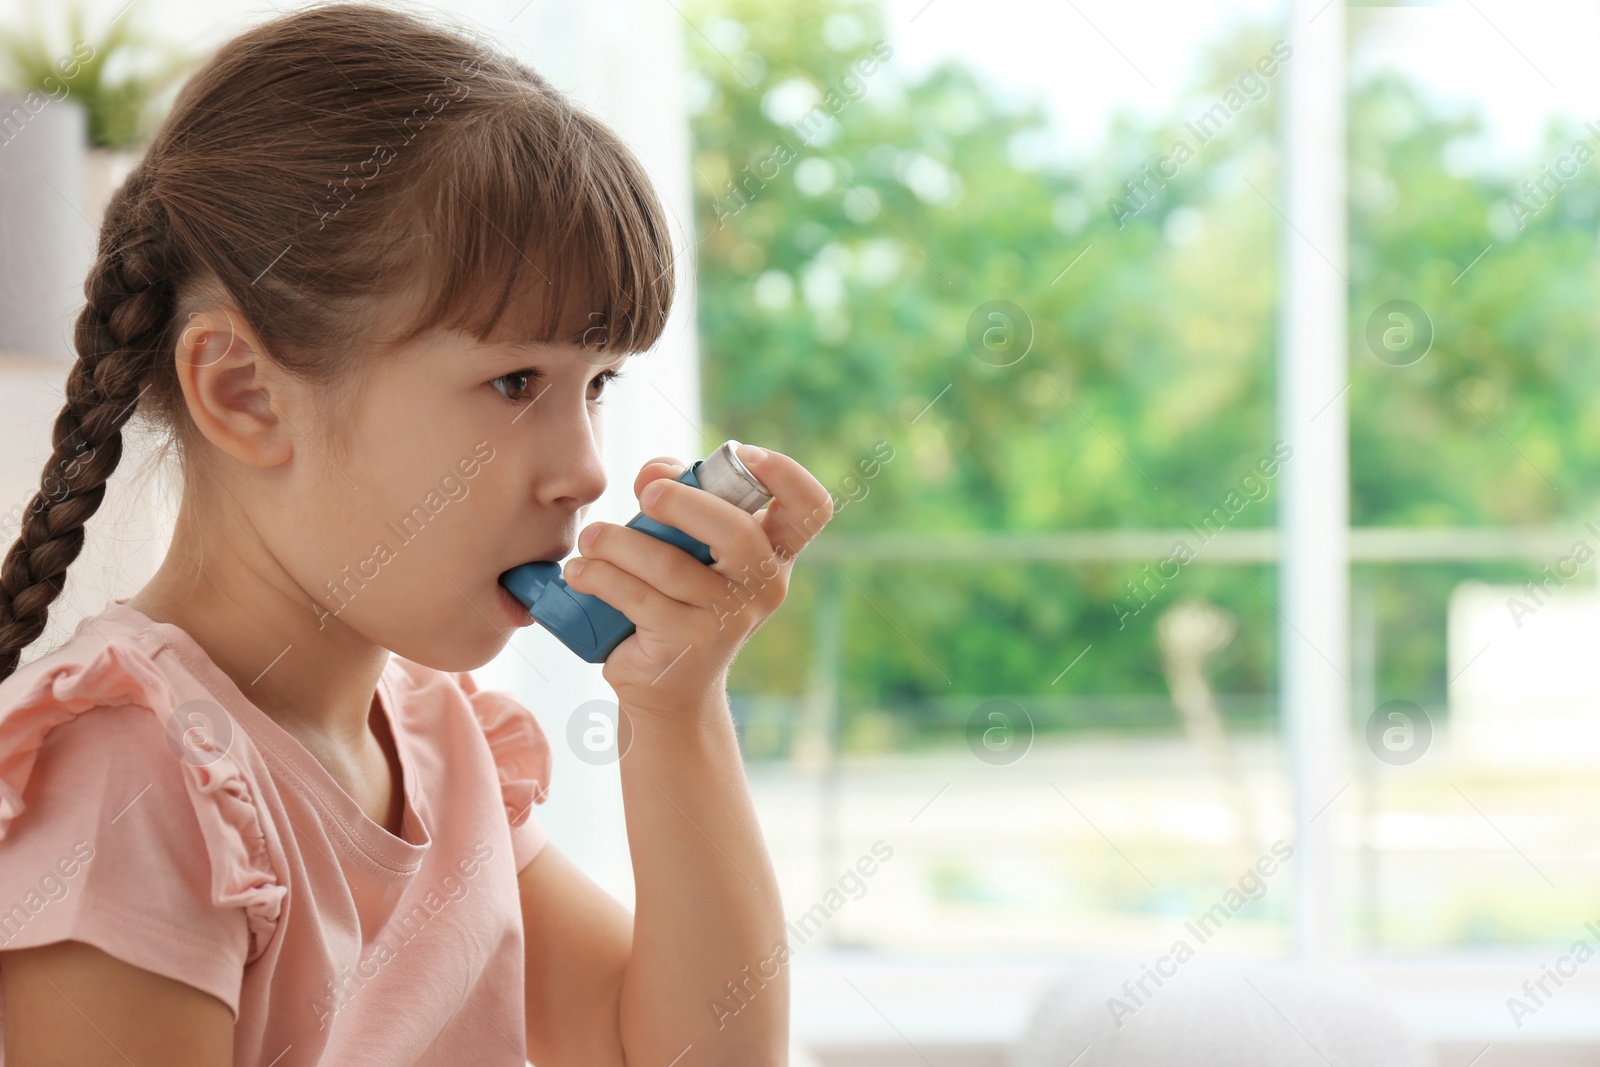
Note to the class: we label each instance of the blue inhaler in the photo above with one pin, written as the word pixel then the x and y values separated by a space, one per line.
pixel 585 623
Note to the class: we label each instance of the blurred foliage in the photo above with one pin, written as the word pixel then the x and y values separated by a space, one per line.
pixel 118 77
pixel 839 266
pixel 1500 423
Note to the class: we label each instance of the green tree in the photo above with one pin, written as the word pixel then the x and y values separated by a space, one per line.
pixel 843 263
pixel 839 276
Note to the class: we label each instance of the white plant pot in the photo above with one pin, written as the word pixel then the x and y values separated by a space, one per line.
pixel 45 241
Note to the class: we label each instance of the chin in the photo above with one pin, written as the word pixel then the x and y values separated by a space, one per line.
pixel 449 639
pixel 455 656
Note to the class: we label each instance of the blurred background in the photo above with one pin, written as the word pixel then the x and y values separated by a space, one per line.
pixel 1210 400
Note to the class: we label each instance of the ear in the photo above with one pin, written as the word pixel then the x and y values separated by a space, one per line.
pixel 234 391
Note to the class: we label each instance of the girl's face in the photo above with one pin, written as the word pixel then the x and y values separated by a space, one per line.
pixel 462 460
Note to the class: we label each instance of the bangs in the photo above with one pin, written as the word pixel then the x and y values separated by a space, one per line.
pixel 539 229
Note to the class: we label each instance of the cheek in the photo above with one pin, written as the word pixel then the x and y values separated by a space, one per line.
pixel 400 533
pixel 322 530
pixel 387 525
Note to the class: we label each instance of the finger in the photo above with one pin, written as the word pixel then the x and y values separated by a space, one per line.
pixel 667 567
pixel 641 602
pixel 727 529
pixel 659 467
pixel 800 506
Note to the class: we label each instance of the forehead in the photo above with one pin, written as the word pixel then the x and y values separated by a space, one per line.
pixel 583 331
pixel 523 331
pixel 545 355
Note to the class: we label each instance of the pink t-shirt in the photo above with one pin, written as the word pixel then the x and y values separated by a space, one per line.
pixel 148 808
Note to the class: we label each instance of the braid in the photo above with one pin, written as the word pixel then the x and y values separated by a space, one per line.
pixel 130 304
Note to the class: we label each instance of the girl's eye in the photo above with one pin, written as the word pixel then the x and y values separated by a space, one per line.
pixel 519 381
pixel 521 378
pixel 604 378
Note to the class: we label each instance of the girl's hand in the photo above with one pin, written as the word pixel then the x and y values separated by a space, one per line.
pixel 690 618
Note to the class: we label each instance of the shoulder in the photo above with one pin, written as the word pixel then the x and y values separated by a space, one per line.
pixel 108 742
pixel 95 668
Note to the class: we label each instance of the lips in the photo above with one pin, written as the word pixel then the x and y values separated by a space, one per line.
pixel 515 582
pixel 517 611
pixel 555 555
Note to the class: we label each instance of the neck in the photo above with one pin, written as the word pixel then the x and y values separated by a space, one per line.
pixel 304 668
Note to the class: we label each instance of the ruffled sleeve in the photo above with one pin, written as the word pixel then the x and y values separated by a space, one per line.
pixel 521 758
pixel 94 745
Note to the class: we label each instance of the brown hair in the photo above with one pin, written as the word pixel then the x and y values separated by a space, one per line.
pixel 326 174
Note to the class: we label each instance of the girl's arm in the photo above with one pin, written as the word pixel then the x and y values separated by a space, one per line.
pixel 703 978
pixel 576 943
pixel 605 988
pixel 709 970
pixel 70 1003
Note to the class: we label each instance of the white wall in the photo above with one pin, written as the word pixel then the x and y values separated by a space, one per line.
pixel 622 60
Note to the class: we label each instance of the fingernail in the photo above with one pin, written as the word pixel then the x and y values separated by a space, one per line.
pixel 575 567
pixel 652 493
pixel 590 532
pixel 752 453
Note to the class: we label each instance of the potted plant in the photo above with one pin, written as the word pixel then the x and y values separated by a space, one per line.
pixel 117 79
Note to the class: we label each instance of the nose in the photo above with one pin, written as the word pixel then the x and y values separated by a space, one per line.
pixel 576 475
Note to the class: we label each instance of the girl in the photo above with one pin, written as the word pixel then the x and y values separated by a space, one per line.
pixel 373 277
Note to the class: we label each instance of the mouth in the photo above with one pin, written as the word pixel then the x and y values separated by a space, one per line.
pixel 514 609
pixel 517 604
